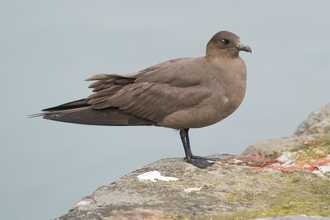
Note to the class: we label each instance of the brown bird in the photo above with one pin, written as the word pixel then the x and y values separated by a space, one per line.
pixel 181 94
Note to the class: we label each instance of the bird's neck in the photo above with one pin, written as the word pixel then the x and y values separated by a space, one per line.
pixel 213 53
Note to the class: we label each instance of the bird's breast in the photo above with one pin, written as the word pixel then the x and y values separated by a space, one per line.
pixel 228 89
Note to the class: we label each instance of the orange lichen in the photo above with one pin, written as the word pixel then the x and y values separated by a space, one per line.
pixel 315 143
pixel 260 164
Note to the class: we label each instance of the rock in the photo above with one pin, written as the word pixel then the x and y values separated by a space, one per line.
pixel 295 217
pixel 245 187
pixel 315 129
pixel 319 115
pixel 218 192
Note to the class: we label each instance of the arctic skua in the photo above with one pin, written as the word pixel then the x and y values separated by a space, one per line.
pixel 181 94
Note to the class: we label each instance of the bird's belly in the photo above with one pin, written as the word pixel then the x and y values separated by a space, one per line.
pixel 205 114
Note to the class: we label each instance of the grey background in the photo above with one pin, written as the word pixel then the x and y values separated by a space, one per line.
pixel 49 47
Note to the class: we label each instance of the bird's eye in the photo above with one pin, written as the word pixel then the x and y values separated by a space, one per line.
pixel 224 41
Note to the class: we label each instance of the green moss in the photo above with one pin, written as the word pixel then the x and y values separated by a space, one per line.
pixel 295 208
pixel 297 196
pixel 301 196
pixel 320 143
pixel 311 152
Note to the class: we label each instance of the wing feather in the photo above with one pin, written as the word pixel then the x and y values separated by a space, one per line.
pixel 152 93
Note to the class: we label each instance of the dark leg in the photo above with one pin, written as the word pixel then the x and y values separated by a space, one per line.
pixel 195 160
pixel 185 142
pixel 188 142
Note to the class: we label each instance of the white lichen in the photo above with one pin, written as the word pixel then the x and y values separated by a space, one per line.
pixel 188 190
pixel 152 175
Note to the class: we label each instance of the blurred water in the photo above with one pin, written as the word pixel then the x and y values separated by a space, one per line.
pixel 49 47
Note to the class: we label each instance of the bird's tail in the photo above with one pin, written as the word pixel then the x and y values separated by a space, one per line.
pixel 87 115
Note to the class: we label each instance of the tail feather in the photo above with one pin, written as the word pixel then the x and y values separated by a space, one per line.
pixel 36 115
pixel 87 115
pixel 70 105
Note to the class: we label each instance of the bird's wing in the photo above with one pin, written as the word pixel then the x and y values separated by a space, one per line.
pixel 155 92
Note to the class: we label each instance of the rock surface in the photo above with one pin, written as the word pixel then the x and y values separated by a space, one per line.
pixel 218 192
pixel 315 129
pixel 295 217
pixel 319 118
pixel 229 189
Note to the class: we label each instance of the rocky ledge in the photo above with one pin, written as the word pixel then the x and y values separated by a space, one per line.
pixel 288 178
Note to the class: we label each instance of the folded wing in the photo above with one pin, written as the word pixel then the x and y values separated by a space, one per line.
pixel 153 93
pixel 143 98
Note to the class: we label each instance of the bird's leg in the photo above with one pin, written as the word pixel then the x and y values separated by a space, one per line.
pixel 186 144
pixel 189 149
pixel 195 160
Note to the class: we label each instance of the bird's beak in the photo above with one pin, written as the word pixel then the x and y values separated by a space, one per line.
pixel 244 48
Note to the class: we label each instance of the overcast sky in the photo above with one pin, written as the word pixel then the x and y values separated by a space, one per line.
pixel 48 49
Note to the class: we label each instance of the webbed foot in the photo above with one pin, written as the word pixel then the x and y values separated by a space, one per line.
pixel 201 163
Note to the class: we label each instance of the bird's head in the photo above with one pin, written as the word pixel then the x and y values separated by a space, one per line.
pixel 225 45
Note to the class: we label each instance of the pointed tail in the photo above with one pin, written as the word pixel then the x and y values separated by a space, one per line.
pixel 87 115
